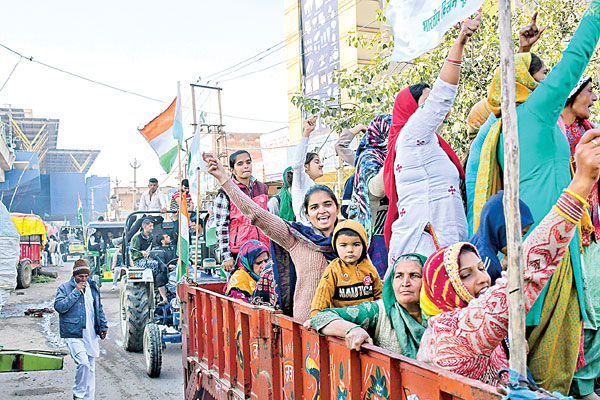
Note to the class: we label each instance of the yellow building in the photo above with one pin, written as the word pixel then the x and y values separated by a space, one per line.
pixel 317 34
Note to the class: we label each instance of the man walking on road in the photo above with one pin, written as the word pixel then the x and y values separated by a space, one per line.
pixel 81 320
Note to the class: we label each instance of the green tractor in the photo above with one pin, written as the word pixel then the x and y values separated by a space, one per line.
pixel 71 239
pixel 103 249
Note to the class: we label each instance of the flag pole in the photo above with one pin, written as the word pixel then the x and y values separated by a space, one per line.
pixel 516 298
pixel 197 223
pixel 179 211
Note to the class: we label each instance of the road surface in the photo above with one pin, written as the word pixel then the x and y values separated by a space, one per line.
pixel 119 375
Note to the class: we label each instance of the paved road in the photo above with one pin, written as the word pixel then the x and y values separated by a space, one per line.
pixel 119 375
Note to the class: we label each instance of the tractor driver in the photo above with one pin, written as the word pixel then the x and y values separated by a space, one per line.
pixel 165 252
pixel 95 242
pixel 141 244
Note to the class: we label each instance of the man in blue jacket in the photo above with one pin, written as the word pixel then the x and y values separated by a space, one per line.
pixel 82 320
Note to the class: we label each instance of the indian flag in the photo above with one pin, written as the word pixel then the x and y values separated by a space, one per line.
pixel 165 132
pixel 183 247
pixel 79 209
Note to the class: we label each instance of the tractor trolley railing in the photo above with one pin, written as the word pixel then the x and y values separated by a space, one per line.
pixel 235 350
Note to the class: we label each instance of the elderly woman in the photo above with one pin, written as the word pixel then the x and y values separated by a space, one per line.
pixel 251 260
pixel 422 173
pixel 394 322
pixel 575 120
pixel 468 318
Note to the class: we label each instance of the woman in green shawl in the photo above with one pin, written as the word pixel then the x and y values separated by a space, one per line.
pixel 393 322
pixel 281 204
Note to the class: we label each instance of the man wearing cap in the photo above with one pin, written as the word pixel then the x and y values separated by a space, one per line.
pixel 81 320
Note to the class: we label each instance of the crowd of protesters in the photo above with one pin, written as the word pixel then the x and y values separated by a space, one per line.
pixel 412 260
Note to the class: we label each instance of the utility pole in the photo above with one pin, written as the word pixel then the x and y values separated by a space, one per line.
pixel 135 165
pixel 221 141
pixel 117 200
pixel 92 216
pixel 10 126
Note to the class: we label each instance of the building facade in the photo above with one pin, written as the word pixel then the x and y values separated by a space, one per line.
pixel 44 179
pixel 317 33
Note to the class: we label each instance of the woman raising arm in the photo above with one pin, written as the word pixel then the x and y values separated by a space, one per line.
pixel 309 246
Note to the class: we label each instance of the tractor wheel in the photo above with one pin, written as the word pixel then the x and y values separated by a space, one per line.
pixel 24 274
pixel 153 350
pixel 135 312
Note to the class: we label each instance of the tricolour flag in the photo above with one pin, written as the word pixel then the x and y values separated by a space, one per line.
pixel 79 210
pixel 420 25
pixel 165 132
pixel 183 247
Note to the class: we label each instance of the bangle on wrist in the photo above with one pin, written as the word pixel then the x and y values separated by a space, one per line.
pixel 458 63
pixel 583 202
pixel 351 329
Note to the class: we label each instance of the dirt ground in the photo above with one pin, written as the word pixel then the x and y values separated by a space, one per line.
pixel 119 374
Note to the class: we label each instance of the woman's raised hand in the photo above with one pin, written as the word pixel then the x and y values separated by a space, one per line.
pixel 469 27
pixel 358 129
pixel 587 160
pixel 309 126
pixel 451 70
pixel 215 168
pixel 530 34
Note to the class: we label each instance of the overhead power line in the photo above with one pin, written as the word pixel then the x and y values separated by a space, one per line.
pixel 81 77
pixel 209 77
pixel 120 89
pixel 11 73
pixel 254 72
pixel 220 77
pixel 217 76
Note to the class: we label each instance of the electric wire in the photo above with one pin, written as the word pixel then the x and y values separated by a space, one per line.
pixel 253 72
pixel 124 90
pixel 11 73
pixel 272 66
pixel 218 76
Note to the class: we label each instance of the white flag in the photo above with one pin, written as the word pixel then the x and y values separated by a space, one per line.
pixel 419 25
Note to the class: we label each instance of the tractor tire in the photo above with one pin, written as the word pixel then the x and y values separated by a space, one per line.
pixel 153 350
pixel 24 274
pixel 135 314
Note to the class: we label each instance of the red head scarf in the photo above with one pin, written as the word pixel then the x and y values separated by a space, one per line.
pixel 404 107
pixel 442 288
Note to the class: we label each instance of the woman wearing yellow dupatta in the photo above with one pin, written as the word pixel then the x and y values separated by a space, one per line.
pixel 544 170
pixel 489 174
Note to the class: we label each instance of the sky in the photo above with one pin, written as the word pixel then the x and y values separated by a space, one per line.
pixel 144 47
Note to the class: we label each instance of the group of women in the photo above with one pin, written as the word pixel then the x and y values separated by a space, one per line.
pixel 444 296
